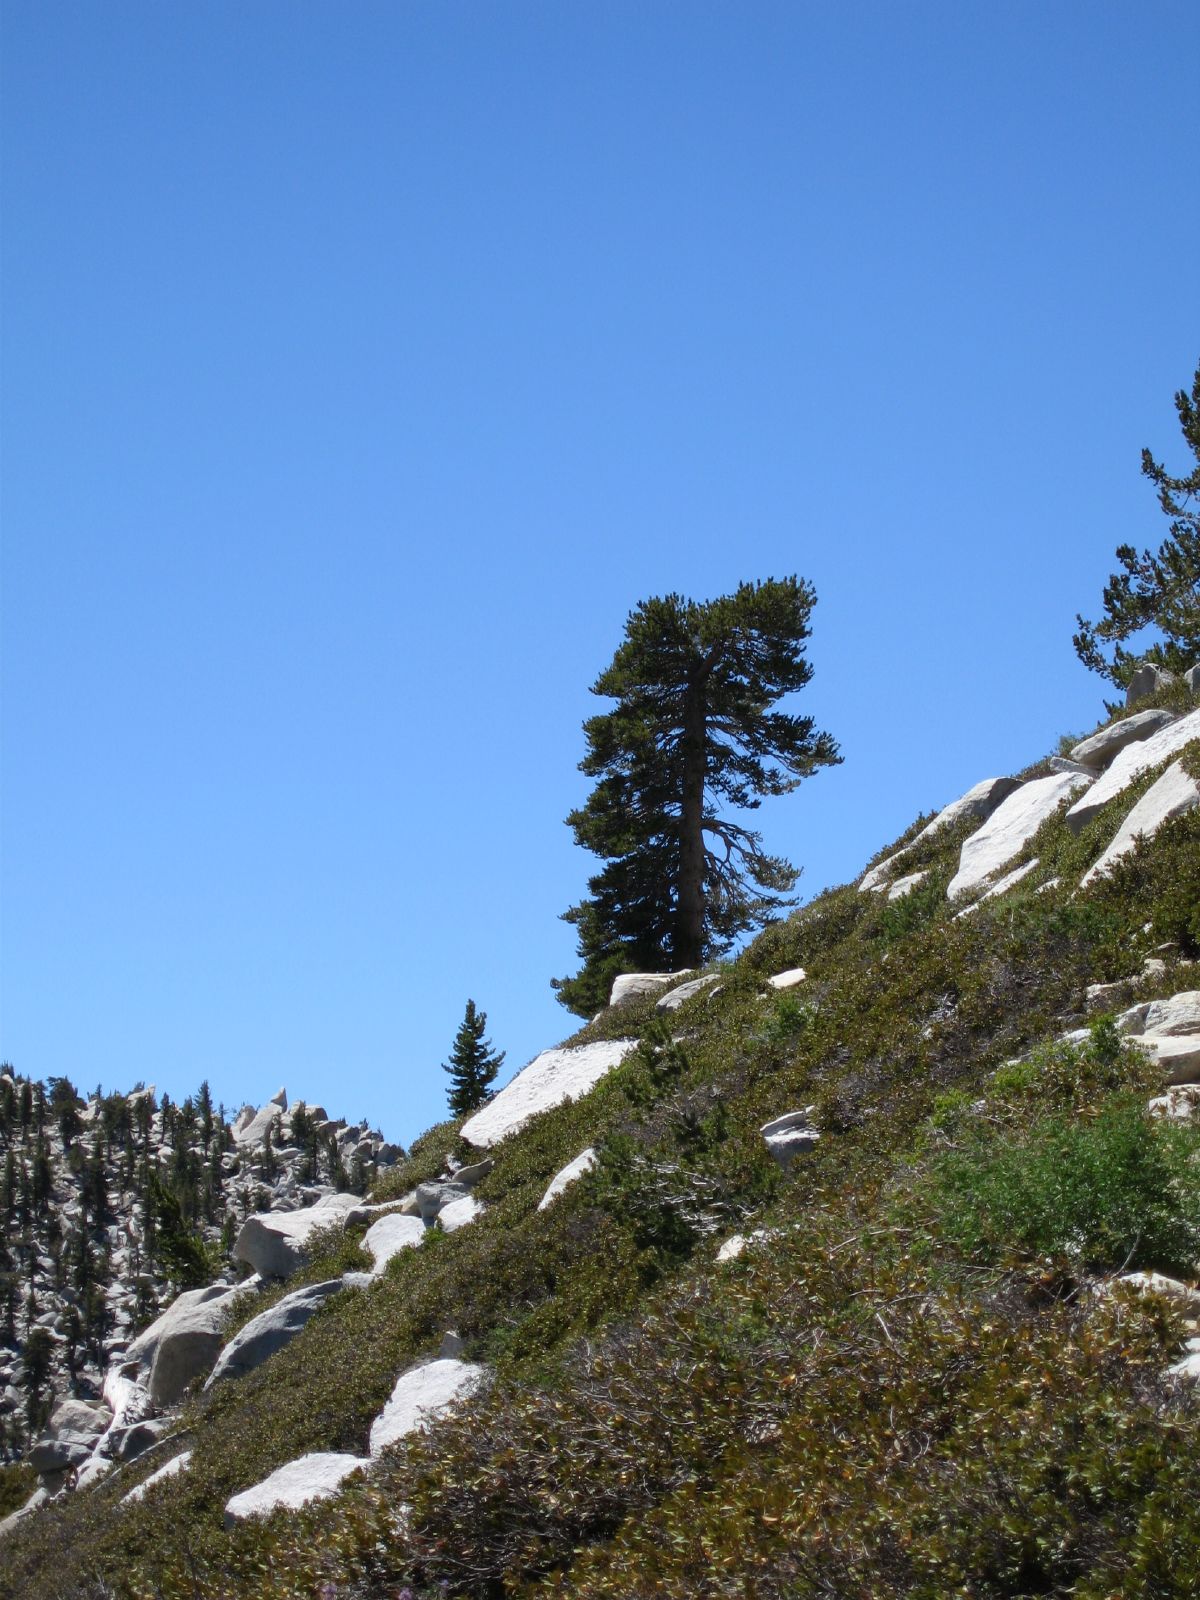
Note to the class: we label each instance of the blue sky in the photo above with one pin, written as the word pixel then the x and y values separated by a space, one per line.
pixel 365 364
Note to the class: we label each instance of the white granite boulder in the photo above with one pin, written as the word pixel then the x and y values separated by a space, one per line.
pixel 1101 748
pixel 979 801
pixel 182 1344
pixel 1179 1057
pixel 316 1476
pixel 1009 829
pixel 1171 795
pixel 633 985
pixel 459 1213
pixel 548 1080
pixel 389 1235
pixel 788 979
pixel 906 885
pixel 263 1335
pixel 275 1243
pixel 583 1162
pixel 1128 766
pixel 173 1468
pixel 255 1131
pixel 674 998
pixel 421 1395
pixel 1179 1104
pixel 1147 680
pixel 790 1135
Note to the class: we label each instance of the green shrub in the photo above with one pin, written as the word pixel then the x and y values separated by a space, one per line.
pixel 1117 1189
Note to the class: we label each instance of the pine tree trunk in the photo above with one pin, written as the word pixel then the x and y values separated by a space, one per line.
pixel 689 943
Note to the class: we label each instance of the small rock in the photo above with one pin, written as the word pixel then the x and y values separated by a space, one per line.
pixel 903 886
pixel 1178 1057
pixel 1179 1104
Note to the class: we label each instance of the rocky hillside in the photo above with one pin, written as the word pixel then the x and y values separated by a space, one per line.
pixel 115 1204
pixel 863 1265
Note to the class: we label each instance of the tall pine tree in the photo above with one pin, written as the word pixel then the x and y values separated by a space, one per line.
pixel 472 1065
pixel 692 734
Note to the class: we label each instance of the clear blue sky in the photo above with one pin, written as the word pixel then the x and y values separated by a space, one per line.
pixel 364 364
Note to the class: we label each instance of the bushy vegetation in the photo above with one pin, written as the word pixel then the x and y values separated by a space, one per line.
pixel 909 1386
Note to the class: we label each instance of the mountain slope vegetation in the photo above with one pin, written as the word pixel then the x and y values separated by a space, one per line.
pixel 904 1364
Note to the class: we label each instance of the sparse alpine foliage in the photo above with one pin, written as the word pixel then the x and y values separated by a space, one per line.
pixel 693 737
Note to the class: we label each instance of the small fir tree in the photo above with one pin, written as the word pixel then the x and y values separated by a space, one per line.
pixel 472 1065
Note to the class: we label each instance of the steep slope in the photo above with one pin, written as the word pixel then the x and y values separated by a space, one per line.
pixel 846 1300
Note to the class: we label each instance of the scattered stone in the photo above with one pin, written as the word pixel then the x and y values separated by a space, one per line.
pixel 694 986
pixel 434 1197
pixel 451 1346
pixel 274 1242
pixel 173 1468
pixel 790 1135
pixel 1131 763
pixel 38 1498
pixel 316 1476
pixel 1192 678
pixel 548 1080
pixel 391 1234
pixel 1098 750
pixel 1173 794
pixel 1010 827
pixel 130 1440
pixel 1178 1014
pixel 633 985
pixel 263 1335
pixel 583 1162
pixel 421 1395
pixel 61 1451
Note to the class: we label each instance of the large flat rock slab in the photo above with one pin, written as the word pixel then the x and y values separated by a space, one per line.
pixel 1171 795
pixel 273 1328
pixel 1128 766
pixel 548 1080
pixel 421 1395
pixel 1097 751
pixel 173 1468
pixel 1010 827
pixel 275 1243
pixel 316 1476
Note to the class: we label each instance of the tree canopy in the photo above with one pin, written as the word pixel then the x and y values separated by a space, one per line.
pixel 1156 589
pixel 693 735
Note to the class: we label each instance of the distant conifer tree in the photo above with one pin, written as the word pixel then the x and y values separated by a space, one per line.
pixel 472 1065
